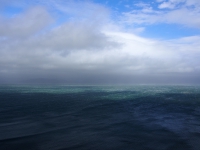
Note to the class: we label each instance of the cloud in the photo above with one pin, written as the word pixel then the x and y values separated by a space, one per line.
pixel 76 36
pixel 23 25
pixel 137 57
pixel 166 5
pixel 173 4
pixel 174 15
pixel 93 49
pixel 28 52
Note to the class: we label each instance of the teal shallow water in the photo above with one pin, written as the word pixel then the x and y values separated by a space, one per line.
pixel 100 117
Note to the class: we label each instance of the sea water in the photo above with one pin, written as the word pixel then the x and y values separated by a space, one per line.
pixel 99 117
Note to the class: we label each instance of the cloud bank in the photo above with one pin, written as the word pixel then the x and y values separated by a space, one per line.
pixel 36 46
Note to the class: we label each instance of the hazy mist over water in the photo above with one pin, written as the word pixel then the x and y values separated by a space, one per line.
pixel 99 117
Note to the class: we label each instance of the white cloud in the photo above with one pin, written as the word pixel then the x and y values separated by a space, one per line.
pixel 136 55
pixel 92 47
pixel 166 5
pixel 171 4
pixel 184 16
pixel 75 35
pixel 25 24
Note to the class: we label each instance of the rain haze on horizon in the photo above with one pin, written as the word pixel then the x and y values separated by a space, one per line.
pixel 100 42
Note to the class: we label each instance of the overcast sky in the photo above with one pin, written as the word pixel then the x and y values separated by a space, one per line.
pixel 100 41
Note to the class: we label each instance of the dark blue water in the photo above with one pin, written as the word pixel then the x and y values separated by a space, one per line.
pixel 99 117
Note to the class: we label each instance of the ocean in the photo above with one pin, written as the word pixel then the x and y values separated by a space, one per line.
pixel 142 117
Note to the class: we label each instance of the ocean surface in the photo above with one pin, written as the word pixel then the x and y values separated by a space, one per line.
pixel 100 117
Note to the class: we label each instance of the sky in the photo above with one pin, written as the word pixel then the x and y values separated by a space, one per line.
pixel 100 42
